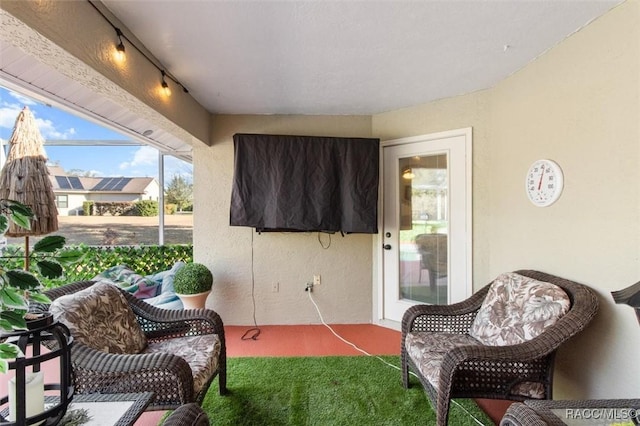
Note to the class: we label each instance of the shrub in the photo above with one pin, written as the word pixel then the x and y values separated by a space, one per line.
pixel 114 208
pixel 170 208
pixel 87 208
pixel 145 260
pixel 192 278
pixel 147 208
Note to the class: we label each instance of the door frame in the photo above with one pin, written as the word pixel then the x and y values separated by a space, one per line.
pixel 378 291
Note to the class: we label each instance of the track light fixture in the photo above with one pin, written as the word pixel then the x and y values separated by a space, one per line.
pixel 165 87
pixel 408 174
pixel 120 55
pixel 120 52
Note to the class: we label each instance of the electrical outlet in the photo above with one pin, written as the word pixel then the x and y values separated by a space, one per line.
pixel 316 280
pixel 275 287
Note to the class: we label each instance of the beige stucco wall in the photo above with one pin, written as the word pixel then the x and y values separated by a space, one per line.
pixel 242 260
pixel 578 104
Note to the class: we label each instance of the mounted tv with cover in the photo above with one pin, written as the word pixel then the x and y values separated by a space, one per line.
pixel 305 183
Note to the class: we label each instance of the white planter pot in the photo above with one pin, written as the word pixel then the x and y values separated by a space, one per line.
pixel 194 301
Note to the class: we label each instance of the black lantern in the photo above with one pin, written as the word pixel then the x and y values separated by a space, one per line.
pixel 629 296
pixel 30 400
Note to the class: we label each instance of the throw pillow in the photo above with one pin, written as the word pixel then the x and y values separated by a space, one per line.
pixel 100 317
pixel 127 279
pixel 517 309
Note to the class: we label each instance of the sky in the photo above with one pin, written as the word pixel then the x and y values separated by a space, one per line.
pixel 107 161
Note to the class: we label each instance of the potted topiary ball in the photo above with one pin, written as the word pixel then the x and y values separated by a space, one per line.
pixel 192 283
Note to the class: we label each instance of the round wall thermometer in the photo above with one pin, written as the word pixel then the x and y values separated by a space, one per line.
pixel 544 182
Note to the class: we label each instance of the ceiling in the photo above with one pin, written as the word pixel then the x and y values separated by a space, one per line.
pixel 334 57
pixel 346 57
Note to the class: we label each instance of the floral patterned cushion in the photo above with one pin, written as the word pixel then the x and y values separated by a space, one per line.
pixel 200 352
pixel 517 309
pixel 428 349
pixel 100 317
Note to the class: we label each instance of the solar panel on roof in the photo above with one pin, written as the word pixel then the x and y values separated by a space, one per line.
pixel 101 185
pixel 112 183
pixel 75 182
pixel 63 182
pixel 121 184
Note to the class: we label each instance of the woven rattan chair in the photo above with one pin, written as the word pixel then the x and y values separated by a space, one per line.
pixel 187 415
pixel 482 371
pixel 433 256
pixel 554 413
pixel 169 376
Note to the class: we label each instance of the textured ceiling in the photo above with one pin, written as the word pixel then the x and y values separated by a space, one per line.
pixel 310 57
pixel 346 57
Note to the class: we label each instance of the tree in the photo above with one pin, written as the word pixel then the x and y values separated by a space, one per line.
pixel 82 173
pixel 179 192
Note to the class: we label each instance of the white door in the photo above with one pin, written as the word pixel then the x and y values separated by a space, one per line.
pixel 426 229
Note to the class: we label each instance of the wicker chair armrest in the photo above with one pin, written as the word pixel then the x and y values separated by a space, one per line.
pixel 91 359
pixel 167 374
pixel 518 414
pixel 188 414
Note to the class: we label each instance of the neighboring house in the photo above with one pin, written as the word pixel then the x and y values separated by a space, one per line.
pixel 71 191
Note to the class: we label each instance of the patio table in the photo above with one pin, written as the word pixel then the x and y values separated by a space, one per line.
pixel 118 409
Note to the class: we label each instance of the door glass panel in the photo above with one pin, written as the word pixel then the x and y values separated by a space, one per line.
pixel 424 226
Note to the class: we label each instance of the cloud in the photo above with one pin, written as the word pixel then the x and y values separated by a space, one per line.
pixel 22 100
pixel 145 163
pixel 144 156
pixel 174 166
pixel 49 131
pixel 9 112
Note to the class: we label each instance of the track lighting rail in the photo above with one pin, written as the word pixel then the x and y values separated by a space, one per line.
pixel 121 51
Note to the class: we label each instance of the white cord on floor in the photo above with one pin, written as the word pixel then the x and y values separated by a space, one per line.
pixel 377 357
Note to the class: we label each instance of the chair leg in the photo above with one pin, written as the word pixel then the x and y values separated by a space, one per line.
pixel 405 371
pixel 222 378
pixel 442 411
pixel 433 281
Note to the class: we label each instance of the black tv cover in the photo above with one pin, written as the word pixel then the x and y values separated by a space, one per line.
pixel 305 183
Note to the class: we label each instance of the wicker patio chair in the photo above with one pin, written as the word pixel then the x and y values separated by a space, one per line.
pixel 168 375
pixel 433 256
pixel 466 368
pixel 187 415
pixel 562 412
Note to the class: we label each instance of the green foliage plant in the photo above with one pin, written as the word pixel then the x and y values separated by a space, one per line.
pixel 179 191
pixel 114 208
pixel 87 208
pixel 145 260
pixel 20 287
pixel 147 207
pixel 193 278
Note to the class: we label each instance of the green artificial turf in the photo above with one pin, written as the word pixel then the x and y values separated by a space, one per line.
pixel 324 391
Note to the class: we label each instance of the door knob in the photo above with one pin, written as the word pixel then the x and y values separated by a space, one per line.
pixel 387 246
